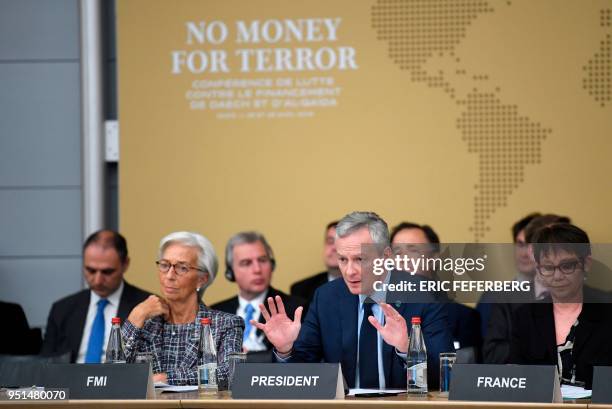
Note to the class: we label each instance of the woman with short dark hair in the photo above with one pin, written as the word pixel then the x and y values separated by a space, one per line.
pixel 572 328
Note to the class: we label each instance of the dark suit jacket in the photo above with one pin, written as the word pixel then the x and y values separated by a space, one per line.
pixel 464 324
pixel 291 303
pixel 18 338
pixel 497 340
pixel 534 339
pixel 496 345
pixel 68 315
pixel 306 288
pixel 496 311
pixel 329 334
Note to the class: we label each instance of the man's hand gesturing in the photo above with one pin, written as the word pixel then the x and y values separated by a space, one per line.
pixel 279 329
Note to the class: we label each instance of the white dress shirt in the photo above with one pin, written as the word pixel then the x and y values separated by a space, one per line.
pixel 109 312
pixel 253 342
pixel 377 312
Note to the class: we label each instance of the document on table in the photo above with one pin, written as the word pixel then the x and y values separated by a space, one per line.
pixel 184 388
pixel 353 392
pixel 164 387
pixel 574 392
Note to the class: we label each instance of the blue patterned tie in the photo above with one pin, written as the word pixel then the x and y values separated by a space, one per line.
pixel 249 310
pixel 96 337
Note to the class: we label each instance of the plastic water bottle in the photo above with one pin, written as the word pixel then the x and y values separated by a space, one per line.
pixel 417 360
pixel 207 371
pixel 114 350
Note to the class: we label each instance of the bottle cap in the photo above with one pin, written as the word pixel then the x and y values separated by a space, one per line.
pixel 416 320
pixel 205 321
pixel 116 320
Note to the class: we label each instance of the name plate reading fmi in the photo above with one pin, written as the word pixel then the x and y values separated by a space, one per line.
pixel 509 383
pixel 602 392
pixel 288 381
pixel 102 381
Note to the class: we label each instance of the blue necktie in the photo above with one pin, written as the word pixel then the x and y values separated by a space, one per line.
pixel 96 337
pixel 368 350
pixel 249 310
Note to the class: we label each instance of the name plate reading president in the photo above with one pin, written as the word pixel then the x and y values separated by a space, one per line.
pixel 505 383
pixel 288 381
pixel 102 381
pixel 602 392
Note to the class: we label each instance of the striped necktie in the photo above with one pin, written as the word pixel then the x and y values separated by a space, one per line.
pixel 249 310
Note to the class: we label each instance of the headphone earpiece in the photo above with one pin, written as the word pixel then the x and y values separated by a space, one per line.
pixel 229 273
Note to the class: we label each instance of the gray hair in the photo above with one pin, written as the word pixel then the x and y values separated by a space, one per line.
pixel 379 231
pixel 245 237
pixel 207 258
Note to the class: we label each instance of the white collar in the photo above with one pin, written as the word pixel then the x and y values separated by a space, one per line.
pixel 113 299
pixel 254 302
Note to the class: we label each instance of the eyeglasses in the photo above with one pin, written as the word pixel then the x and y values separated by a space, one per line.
pixel 567 268
pixel 179 268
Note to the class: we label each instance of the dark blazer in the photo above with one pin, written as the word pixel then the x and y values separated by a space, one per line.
pixel 464 323
pixel 499 321
pixel 306 288
pixel 329 334
pixel 534 339
pixel 18 339
pixel 496 344
pixel 291 303
pixel 68 315
pixel 502 315
pixel 496 311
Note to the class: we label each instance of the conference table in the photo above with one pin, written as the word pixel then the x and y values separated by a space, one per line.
pixel 224 401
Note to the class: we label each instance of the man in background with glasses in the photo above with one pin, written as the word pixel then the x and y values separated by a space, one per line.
pixel 80 323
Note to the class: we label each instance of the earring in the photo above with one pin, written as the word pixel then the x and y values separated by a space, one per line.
pixel 198 289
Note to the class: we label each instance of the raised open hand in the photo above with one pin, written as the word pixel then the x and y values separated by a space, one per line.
pixel 395 330
pixel 279 329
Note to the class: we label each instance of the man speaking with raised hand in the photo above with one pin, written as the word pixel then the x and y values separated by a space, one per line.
pixel 367 336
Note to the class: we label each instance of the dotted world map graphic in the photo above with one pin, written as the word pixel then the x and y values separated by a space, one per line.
pixel 504 139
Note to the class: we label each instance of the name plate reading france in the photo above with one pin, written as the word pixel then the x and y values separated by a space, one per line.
pixel 288 381
pixel 102 381
pixel 509 383
pixel 602 393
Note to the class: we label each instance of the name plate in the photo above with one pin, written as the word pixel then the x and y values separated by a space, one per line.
pixel 101 381
pixel 602 393
pixel 509 383
pixel 288 381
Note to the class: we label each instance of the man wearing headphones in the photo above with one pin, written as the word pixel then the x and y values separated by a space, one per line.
pixel 249 263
